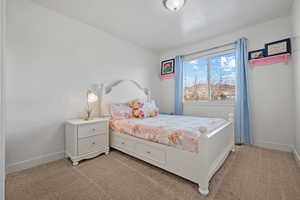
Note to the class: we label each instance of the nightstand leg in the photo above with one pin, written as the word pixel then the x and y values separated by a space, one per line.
pixel 75 163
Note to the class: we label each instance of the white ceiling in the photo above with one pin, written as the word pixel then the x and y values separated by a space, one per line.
pixel 148 24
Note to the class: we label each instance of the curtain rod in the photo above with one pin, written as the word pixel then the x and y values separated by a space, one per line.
pixel 213 48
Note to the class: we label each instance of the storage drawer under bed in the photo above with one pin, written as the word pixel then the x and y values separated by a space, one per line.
pixel 140 148
pixel 151 153
pixel 122 143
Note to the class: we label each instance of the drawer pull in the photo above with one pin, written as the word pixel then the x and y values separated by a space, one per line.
pixel 123 143
pixel 94 143
pixel 148 152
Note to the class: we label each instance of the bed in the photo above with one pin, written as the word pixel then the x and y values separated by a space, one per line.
pixel 191 147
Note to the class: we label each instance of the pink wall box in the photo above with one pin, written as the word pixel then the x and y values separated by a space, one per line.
pixel 283 58
pixel 167 76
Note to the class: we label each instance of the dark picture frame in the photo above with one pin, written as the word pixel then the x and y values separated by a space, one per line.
pixel 167 67
pixel 278 47
pixel 260 53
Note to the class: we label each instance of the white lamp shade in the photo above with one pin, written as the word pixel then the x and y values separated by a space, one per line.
pixel 91 97
pixel 174 5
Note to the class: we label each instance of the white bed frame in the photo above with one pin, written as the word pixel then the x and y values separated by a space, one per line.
pixel 196 167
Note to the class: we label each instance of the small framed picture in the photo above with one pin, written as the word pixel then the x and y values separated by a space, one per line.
pixel 167 67
pixel 257 54
pixel 278 47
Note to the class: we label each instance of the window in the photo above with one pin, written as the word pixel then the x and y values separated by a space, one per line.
pixel 210 78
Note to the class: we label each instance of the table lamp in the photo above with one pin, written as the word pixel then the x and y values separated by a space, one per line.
pixel 91 98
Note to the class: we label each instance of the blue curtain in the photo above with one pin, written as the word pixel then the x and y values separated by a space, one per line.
pixel 178 85
pixel 243 133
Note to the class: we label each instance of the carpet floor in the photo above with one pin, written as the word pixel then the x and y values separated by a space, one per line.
pixel 250 173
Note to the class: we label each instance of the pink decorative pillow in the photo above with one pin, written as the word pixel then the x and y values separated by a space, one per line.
pixel 120 111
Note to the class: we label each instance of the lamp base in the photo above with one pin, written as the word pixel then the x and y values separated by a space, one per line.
pixel 88 118
pixel 88 114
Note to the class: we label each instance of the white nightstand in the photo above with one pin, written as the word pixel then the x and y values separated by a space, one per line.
pixel 86 139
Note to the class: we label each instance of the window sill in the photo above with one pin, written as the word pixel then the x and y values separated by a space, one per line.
pixel 209 103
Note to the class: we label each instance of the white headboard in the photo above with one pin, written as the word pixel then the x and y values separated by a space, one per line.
pixel 120 91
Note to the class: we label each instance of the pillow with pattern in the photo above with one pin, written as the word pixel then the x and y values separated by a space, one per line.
pixel 150 109
pixel 120 111
pixel 142 109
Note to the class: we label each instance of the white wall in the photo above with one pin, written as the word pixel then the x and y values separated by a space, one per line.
pixel 52 60
pixel 2 101
pixel 296 59
pixel 272 86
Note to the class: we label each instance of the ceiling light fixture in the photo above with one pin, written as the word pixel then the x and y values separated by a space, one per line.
pixel 174 5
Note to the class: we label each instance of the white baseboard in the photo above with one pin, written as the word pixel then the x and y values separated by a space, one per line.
pixel 275 146
pixel 297 157
pixel 18 166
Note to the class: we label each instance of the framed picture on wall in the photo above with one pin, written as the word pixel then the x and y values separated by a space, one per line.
pixel 278 47
pixel 256 54
pixel 167 67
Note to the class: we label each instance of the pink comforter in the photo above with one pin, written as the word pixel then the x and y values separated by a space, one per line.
pixel 182 132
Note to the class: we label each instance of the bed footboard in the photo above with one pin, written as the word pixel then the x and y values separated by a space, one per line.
pixel 213 150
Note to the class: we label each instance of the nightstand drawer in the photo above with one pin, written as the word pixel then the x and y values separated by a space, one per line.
pixel 92 144
pixel 88 130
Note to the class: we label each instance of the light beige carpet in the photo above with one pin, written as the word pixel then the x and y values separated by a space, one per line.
pixel 248 174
